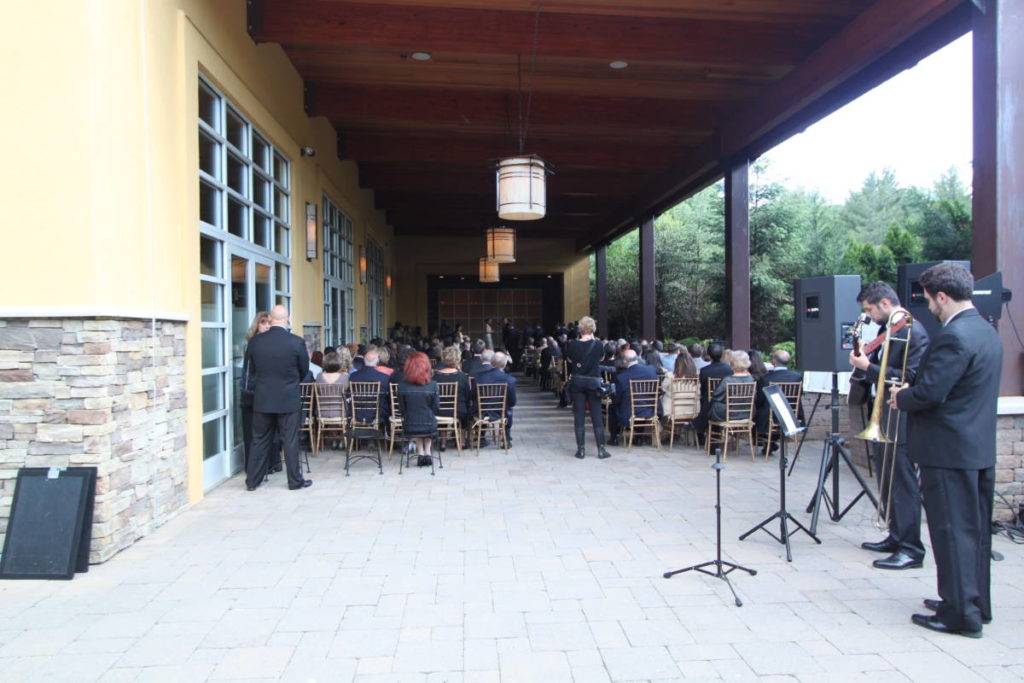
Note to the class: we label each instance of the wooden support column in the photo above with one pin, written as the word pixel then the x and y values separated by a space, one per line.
pixel 647 288
pixel 998 211
pixel 737 254
pixel 601 286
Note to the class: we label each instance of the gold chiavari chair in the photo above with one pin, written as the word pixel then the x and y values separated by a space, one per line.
pixel 643 398
pixel 448 417
pixel 331 413
pixel 739 418
pixel 307 394
pixel 395 419
pixel 793 391
pixel 490 413
pixel 685 404
pixel 365 422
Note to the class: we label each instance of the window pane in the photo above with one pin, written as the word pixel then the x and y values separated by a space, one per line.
pixel 212 306
pixel 260 152
pixel 209 204
pixel 237 172
pixel 208 153
pixel 237 214
pixel 213 392
pixel 283 281
pixel 207 105
pixel 213 347
pixel 281 240
pixel 261 230
pixel 213 437
pixel 261 192
pixel 281 205
pixel 236 130
pixel 283 300
pixel 209 256
pixel 281 170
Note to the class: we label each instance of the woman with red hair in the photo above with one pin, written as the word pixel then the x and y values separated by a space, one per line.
pixel 418 399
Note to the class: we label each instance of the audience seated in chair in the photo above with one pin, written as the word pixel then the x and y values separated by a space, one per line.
pixel 715 369
pixel 497 375
pixel 618 417
pixel 778 372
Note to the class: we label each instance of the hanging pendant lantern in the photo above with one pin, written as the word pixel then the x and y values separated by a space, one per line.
pixel 521 188
pixel 489 270
pixel 501 244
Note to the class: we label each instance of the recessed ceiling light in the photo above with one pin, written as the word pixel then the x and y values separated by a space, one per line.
pixel 619 64
pixel 420 56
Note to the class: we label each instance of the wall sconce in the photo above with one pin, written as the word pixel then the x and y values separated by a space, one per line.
pixel 362 265
pixel 387 283
pixel 311 231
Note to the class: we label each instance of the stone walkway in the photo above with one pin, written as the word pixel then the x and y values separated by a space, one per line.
pixel 530 566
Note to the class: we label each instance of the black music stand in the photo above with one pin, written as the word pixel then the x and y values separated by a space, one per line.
pixel 787 428
pixel 718 562
pixel 834 449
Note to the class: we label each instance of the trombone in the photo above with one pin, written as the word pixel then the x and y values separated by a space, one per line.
pixel 899 320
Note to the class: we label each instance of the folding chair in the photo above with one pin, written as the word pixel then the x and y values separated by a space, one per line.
pixel 365 422
pixel 396 417
pixel 793 391
pixel 643 397
pixel 490 413
pixel 685 404
pixel 331 412
pixel 739 417
pixel 448 416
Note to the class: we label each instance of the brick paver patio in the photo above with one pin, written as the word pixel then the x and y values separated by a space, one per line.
pixel 530 566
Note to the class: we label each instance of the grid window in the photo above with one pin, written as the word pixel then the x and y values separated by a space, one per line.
pixel 375 284
pixel 339 270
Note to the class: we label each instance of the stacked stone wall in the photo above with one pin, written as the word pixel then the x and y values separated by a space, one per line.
pixel 102 393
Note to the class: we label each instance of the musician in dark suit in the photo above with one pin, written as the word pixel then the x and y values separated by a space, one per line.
pixel 951 406
pixel 496 375
pixel 622 404
pixel 278 361
pixel 716 368
pixel 878 300
pixel 777 373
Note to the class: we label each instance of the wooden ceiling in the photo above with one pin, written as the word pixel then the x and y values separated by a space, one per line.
pixel 706 80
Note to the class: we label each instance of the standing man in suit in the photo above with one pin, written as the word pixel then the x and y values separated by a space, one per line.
pixel 878 300
pixel 278 362
pixel 777 373
pixel 952 412
pixel 494 373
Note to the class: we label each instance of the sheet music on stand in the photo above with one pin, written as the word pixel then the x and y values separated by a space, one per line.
pixel 784 416
pixel 821 382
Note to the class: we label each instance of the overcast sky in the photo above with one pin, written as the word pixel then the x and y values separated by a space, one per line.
pixel 917 123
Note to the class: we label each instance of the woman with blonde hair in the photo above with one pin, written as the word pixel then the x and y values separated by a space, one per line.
pixel 583 357
pixel 739 361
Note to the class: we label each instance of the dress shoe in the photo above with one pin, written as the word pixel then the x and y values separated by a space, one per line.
pixel 932 623
pixel 898 560
pixel 934 606
pixel 602 453
pixel 614 441
pixel 886 546
pixel 251 488
pixel 274 470
pixel 581 452
pixel 306 483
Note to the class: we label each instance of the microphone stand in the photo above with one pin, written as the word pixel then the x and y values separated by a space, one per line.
pixel 718 562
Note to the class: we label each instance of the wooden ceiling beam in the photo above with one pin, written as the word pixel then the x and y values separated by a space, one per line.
pixel 439 178
pixel 556 203
pixel 429 28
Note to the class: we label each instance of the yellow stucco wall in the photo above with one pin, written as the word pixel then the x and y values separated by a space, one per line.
pixel 102 167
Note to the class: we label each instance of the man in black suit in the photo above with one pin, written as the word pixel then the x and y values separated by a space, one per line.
pixel 716 368
pixel 952 412
pixel 370 373
pixel 278 361
pixel 474 365
pixel 777 373
pixel 622 403
pixel 494 373
pixel 903 493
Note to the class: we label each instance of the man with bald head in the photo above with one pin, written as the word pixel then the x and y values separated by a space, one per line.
pixel 495 374
pixel 778 372
pixel 622 404
pixel 278 361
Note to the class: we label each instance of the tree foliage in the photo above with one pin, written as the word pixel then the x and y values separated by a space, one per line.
pixel 793 234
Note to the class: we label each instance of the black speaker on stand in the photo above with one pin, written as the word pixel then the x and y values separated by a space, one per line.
pixel 911 293
pixel 826 312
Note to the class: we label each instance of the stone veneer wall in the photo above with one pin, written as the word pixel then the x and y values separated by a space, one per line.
pixel 98 392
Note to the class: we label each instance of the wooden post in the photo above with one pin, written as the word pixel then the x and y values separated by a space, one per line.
pixel 998 212
pixel 601 285
pixel 647 281
pixel 737 253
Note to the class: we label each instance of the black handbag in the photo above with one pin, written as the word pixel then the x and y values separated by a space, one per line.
pixel 597 385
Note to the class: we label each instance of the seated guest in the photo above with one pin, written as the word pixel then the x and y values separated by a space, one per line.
pixel 683 368
pixel 473 365
pixel 383 358
pixel 668 358
pixel 716 368
pixel 333 374
pixel 419 403
pixel 758 369
pixel 485 364
pixel 778 372
pixel 497 375
pixel 740 363
pixel 400 360
pixel 619 413
pixel 696 352
pixel 450 373
pixel 370 373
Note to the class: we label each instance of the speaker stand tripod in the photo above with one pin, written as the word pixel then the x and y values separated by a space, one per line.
pixel 833 449
pixel 718 563
pixel 782 515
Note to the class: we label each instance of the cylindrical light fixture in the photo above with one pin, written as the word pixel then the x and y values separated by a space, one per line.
pixel 521 188
pixel 501 244
pixel 387 283
pixel 489 270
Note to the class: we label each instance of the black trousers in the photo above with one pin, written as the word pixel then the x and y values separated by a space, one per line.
pixel 267 428
pixel 247 434
pixel 905 516
pixel 959 508
pixel 579 416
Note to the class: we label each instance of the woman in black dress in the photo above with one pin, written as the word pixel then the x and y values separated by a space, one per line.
pixel 418 399
pixel 584 357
